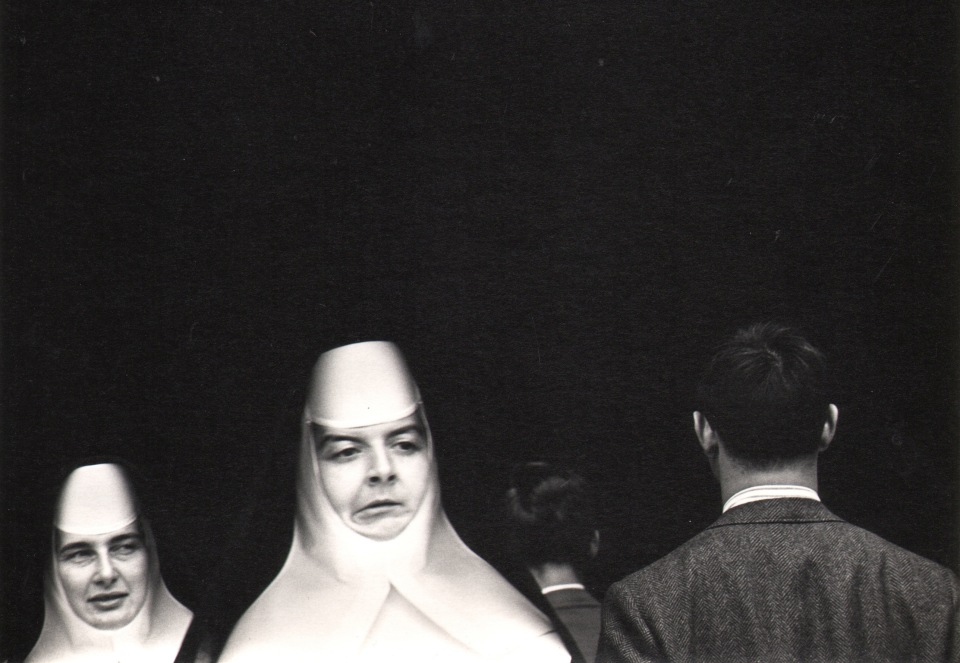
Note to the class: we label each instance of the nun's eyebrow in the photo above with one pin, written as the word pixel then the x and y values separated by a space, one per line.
pixel 340 438
pixel 77 545
pixel 412 428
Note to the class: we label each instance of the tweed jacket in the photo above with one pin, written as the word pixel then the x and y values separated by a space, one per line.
pixel 783 580
pixel 580 613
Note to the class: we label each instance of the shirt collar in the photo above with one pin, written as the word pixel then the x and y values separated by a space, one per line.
pixel 770 492
pixel 557 588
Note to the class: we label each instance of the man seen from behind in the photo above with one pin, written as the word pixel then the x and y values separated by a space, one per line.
pixel 777 577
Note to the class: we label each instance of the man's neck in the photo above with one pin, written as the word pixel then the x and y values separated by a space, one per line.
pixel 734 476
pixel 551 573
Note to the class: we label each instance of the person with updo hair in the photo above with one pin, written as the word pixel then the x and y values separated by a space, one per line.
pixel 552 530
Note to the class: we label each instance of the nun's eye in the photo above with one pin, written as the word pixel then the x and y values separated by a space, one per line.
pixel 77 555
pixel 125 548
pixel 408 446
pixel 346 453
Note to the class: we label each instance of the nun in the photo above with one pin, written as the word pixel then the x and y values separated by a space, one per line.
pixel 104 599
pixel 375 571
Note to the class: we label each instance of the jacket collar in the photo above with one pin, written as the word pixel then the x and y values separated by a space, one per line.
pixel 783 510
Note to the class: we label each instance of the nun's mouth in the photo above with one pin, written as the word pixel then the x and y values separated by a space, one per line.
pixel 379 508
pixel 108 600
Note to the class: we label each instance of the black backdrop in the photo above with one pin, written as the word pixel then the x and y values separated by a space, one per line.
pixel 556 209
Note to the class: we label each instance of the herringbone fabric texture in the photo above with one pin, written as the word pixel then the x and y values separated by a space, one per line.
pixel 783 580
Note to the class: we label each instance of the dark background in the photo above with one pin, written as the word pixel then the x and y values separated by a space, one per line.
pixel 556 210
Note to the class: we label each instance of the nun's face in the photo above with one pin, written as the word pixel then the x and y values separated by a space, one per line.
pixel 105 576
pixel 376 477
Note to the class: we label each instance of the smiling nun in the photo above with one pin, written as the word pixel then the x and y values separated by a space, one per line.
pixel 376 572
pixel 104 599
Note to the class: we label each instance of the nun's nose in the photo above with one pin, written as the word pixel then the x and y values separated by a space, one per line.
pixel 381 469
pixel 106 573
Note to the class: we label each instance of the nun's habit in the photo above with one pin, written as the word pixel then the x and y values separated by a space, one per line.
pixel 421 595
pixel 97 500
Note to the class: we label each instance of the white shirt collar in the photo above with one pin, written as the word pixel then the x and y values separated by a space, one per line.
pixel 557 588
pixel 773 492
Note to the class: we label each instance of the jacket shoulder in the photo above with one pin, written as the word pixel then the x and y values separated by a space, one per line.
pixel 832 538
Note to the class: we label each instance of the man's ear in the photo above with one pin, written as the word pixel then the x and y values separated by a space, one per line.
pixel 594 543
pixel 829 427
pixel 705 434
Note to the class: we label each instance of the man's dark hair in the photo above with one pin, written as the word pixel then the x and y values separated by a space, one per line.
pixel 764 393
pixel 550 515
